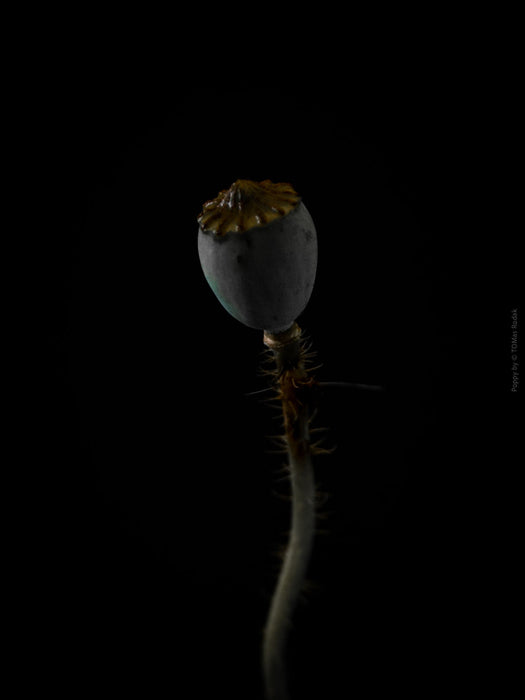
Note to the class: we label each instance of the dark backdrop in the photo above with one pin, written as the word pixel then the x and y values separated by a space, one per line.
pixel 162 511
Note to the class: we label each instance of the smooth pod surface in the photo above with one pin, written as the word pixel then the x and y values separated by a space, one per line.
pixel 264 275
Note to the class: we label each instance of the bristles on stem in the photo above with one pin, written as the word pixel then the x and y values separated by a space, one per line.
pixel 294 383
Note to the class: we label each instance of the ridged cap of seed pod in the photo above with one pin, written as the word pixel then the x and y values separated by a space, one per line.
pixel 247 204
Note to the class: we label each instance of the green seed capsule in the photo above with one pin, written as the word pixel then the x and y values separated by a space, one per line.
pixel 258 251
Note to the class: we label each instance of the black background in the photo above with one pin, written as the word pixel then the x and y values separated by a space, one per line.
pixel 161 512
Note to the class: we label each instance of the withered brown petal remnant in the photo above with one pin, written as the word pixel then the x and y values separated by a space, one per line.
pixel 247 204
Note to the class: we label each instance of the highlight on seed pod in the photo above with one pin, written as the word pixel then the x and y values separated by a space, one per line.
pixel 257 247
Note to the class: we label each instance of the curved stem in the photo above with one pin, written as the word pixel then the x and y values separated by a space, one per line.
pixel 293 381
pixel 290 580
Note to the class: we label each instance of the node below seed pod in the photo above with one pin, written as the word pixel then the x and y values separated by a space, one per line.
pixel 258 250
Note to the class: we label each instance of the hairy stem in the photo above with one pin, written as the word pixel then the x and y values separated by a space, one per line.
pixel 294 383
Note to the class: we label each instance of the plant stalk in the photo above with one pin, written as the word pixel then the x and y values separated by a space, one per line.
pixel 294 383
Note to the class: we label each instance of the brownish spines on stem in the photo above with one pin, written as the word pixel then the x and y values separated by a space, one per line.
pixel 296 388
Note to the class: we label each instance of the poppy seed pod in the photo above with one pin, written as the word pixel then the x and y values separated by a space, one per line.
pixel 258 251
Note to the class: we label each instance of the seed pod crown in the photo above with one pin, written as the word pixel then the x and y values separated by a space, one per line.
pixel 247 204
